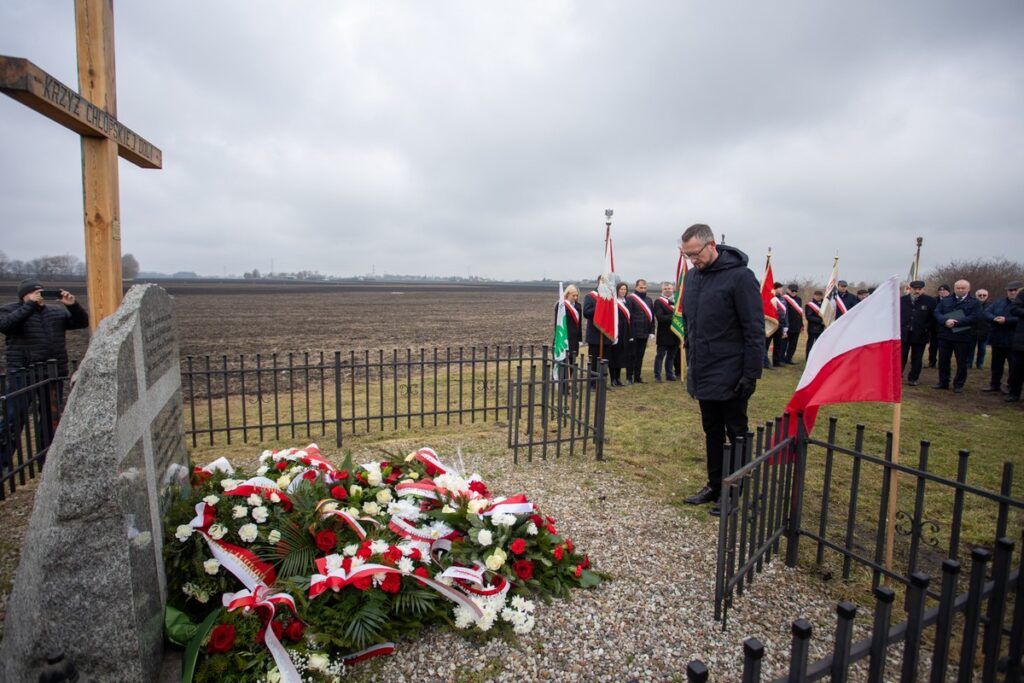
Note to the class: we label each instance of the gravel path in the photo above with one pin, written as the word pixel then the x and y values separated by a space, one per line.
pixel 646 624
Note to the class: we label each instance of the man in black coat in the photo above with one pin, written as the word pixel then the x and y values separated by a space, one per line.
pixel 1003 326
pixel 35 334
pixel 933 341
pixel 845 299
pixel 979 342
pixel 917 319
pixel 668 342
pixel 724 345
pixel 794 320
pixel 641 320
pixel 1017 364
pixel 815 323
pixel 956 315
pixel 778 340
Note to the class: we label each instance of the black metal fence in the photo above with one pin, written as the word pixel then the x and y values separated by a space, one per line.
pixel 286 396
pixel 31 403
pixel 770 496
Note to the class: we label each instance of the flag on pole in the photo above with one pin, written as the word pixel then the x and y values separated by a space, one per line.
pixel 828 306
pixel 560 346
pixel 855 359
pixel 606 318
pixel 678 324
pixel 771 310
pixel 912 275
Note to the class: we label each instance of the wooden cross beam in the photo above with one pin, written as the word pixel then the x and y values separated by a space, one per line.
pixel 92 113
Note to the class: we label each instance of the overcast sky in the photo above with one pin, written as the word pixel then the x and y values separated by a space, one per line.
pixel 488 138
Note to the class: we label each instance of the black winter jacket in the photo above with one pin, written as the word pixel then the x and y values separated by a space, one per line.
pixel 640 324
pixel 815 325
pixel 1017 309
pixel 663 314
pixel 35 334
pixel 917 319
pixel 1001 335
pixel 969 312
pixel 724 326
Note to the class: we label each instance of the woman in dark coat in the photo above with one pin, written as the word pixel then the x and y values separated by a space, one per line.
pixel 619 353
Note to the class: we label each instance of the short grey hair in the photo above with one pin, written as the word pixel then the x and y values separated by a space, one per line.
pixel 700 231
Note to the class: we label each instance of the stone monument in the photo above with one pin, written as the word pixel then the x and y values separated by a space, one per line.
pixel 90 585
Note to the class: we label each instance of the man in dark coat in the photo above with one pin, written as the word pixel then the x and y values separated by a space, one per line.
pixel 917 319
pixel 956 315
pixel 35 334
pixel 794 320
pixel 596 350
pixel 1004 324
pixel 778 340
pixel 815 323
pixel 668 342
pixel 724 345
pixel 1017 364
pixel 641 320
pixel 933 342
pixel 845 299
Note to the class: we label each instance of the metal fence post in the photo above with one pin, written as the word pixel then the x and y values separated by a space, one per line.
pixel 753 652
pixel 797 500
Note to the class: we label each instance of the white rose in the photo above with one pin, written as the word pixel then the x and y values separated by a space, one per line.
pixel 329 507
pixel 384 496
pixel 217 531
pixel 260 514
pixel 355 490
pixel 495 560
pixel 239 511
pixel 274 536
pixel 248 532
pixel 254 499
pixel 283 481
pixel 484 538
pixel 262 470
pixel 371 508
pixel 414 475
pixel 274 676
pixel 211 565
pixel 477 504
pixel 374 478
pixel 183 532
pixel 318 662
pixel 228 484
pixel 211 499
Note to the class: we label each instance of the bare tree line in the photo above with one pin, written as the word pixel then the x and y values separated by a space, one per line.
pixel 63 266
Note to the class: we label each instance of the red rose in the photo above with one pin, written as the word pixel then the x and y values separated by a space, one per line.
pixel 361 476
pixel 537 521
pixel 326 540
pixel 421 571
pixel 339 492
pixel 479 487
pixel 568 545
pixel 558 553
pixel 518 546
pixel 415 554
pixel 305 460
pixel 281 465
pixel 392 554
pixel 586 562
pixel 392 583
pixel 199 475
pixel 362 583
pixel 262 634
pixel 523 569
pixel 579 571
pixel 294 630
pixel 222 638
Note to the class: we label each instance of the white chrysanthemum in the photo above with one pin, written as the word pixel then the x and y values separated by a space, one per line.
pixel 405 565
pixel 350 550
pixel 262 469
pixel 183 532
pixel 260 514
pixel 439 529
pixel 406 509
pixel 526 626
pixel 521 603
pixel 211 565
pixel 228 484
pixel 508 614
pixel 464 617
pixel 274 536
pixel 503 519
pixel 217 531
pixel 239 511
pixel 254 499
pixel 452 482
pixel 248 532
pixel 384 496
pixel 371 508
pixel 333 561
pixel 274 498
pixel 485 622
pixel 266 455
pixel 484 538
pixel 211 499
pixel 407 547
pixel 378 547
pixel 531 529
pixel 356 562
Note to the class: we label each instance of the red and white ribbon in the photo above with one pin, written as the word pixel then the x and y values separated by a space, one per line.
pixel 513 505
pixel 475 574
pixel 260 600
pixel 369 653
pixel 406 529
pixel 351 520
pixel 261 486
pixel 242 563
pixel 420 489
pixel 427 456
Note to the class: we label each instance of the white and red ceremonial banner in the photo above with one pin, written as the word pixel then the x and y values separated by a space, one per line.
pixel 771 309
pixel 560 346
pixel 855 359
pixel 828 306
pixel 605 317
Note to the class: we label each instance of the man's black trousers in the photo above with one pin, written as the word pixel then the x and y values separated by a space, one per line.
pixel 721 418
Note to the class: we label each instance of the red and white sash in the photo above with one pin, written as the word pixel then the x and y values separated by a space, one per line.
pixel 623 307
pixel 643 304
pixel 666 302
pixel 792 302
pixel 840 304
pixel 571 311
pixel 814 307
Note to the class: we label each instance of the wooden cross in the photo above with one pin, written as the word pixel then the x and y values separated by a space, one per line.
pixel 92 113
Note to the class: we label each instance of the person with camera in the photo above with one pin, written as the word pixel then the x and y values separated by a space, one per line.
pixel 35 333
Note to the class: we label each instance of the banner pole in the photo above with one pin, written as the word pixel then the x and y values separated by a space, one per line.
pixel 890 526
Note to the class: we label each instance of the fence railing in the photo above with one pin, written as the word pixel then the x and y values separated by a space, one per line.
pixel 31 403
pixel 843 526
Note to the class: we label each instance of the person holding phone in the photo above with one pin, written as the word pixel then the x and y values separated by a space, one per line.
pixel 34 331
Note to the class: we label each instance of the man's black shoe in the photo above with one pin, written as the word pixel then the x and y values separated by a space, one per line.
pixel 638 381
pixel 958 390
pixel 658 380
pixel 671 378
pixel 989 390
pixel 705 495
pixel 912 382
pixel 715 510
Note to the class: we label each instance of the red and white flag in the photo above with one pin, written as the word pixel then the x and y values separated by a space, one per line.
pixel 856 358
pixel 771 309
pixel 605 317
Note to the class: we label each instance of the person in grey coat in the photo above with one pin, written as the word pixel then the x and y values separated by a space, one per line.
pixel 724 345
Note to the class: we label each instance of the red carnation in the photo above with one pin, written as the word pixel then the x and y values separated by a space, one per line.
pixel 550 519
pixel 222 638
pixel 552 530
pixel 558 553
pixel 339 492
pixel 586 562
pixel 305 460
pixel 199 476
pixel 568 545
pixel 537 521
pixel 415 554
pixel 479 487
pixel 392 554
pixel 294 629
pixel 340 475
pixel 362 583
pixel 579 571
pixel 518 546
pixel 326 540
pixel 364 553
pixel 421 571
pixel 281 465
pixel 523 569
pixel 392 583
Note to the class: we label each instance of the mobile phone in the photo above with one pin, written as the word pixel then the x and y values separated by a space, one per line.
pixel 51 294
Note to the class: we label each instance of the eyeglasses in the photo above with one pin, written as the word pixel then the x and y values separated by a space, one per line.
pixel 696 253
